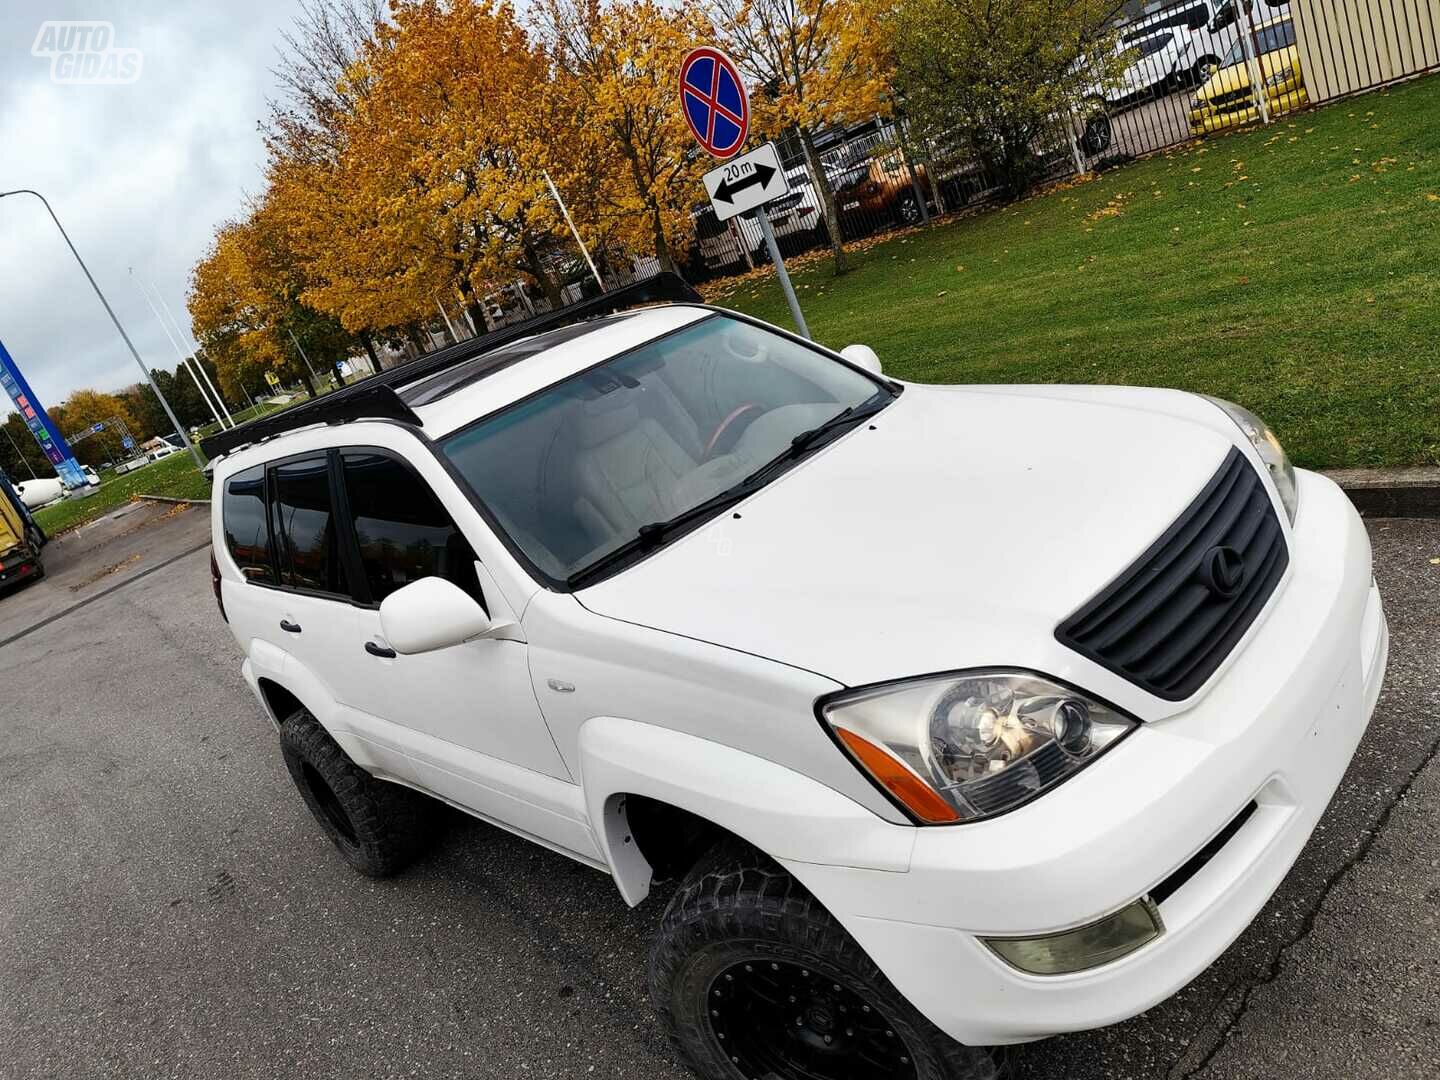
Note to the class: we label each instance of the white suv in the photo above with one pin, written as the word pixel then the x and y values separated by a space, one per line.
pixel 964 715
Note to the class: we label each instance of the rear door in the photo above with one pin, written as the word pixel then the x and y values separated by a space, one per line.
pixel 294 614
pixel 312 616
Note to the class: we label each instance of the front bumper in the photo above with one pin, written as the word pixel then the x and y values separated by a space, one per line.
pixel 1278 729
pixel 1281 99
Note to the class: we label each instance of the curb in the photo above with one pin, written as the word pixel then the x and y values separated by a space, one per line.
pixel 173 502
pixel 1409 493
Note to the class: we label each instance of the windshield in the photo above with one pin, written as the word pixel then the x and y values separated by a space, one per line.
pixel 1152 45
pixel 582 469
pixel 1268 39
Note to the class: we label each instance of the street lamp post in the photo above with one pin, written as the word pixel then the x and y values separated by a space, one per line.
pixel 179 430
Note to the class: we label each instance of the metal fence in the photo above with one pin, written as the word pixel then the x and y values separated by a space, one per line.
pixel 1194 67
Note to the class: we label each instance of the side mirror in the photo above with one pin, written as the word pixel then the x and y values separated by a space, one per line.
pixel 430 614
pixel 862 356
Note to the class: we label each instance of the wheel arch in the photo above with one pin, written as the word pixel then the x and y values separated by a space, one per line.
pixel 657 797
pixel 278 700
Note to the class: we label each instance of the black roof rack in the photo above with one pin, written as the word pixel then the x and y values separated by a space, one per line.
pixel 375 397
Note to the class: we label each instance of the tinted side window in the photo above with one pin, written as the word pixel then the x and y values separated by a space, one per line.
pixel 305 528
pixel 403 531
pixel 247 526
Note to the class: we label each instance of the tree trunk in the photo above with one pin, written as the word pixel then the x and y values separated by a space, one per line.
pixel 662 249
pixel 370 351
pixel 536 269
pixel 827 199
pixel 473 308
pixel 909 161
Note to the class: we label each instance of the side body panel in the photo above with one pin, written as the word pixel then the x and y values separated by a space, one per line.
pixel 460 723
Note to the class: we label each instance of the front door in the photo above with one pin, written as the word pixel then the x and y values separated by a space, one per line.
pixel 453 708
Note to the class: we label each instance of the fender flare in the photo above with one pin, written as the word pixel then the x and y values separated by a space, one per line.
pixel 284 671
pixel 785 814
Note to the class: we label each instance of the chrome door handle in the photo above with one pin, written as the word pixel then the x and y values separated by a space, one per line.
pixel 379 650
pixel 289 627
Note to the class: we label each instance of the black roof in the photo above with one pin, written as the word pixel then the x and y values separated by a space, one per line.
pixel 378 396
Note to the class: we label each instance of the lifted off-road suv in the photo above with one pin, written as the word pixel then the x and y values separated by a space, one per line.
pixel 964 715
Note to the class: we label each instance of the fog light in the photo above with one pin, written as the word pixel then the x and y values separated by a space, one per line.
pixel 1084 947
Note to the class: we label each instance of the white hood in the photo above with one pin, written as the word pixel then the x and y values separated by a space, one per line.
pixel 957 533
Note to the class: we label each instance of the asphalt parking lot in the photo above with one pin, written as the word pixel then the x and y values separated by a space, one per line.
pixel 167 908
pixel 1151 125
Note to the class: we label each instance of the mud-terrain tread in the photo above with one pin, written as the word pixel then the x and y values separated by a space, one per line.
pixel 736 896
pixel 392 824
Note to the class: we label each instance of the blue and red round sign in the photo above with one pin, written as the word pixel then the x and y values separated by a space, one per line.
pixel 714 101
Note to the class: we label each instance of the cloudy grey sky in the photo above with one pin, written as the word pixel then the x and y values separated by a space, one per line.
pixel 140 175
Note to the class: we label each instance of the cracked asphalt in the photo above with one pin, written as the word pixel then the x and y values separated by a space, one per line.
pixel 167 908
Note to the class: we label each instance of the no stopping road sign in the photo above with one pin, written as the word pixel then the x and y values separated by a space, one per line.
pixel 713 99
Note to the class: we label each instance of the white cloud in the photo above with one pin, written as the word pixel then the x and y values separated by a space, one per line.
pixel 140 175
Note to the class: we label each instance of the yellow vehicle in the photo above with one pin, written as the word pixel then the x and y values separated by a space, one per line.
pixel 20 539
pixel 1225 99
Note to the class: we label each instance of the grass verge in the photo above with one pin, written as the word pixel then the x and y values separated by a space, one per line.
pixel 1291 268
pixel 173 477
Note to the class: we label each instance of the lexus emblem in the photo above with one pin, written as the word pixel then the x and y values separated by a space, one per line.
pixel 1222 571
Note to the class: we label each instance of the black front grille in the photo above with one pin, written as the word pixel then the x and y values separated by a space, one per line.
pixel 1227 102
pixel 1162 623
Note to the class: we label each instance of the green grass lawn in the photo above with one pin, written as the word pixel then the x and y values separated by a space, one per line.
pixel 174 477
pixel 1294 269
pixel 251 412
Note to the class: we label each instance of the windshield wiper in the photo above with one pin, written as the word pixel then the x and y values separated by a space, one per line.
pixel 806 441
pixel 657 531
pixel 651 536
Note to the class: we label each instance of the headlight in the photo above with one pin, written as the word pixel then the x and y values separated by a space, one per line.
pixel 1270 451
pixel 961 747
pixel 1280 78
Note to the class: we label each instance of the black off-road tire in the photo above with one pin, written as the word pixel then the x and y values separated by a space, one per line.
pixel 739 916
pixel 377 826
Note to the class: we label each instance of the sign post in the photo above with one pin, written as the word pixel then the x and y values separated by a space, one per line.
pixel 747 183
pixel 717 108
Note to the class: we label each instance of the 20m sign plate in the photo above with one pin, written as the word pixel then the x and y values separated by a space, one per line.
pixel 746 182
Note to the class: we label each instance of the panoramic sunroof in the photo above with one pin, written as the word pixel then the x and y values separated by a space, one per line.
pixel 464 374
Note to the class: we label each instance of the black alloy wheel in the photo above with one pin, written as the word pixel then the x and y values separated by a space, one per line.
pixel 777 1018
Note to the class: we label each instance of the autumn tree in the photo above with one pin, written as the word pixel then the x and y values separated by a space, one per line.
pixel 246 311
pixel 85 408
pixel 442 165
pixel 20 457
pixel 144 406
pixel 623 55
pixel 320 82
pixel 993 76
pixel 813 64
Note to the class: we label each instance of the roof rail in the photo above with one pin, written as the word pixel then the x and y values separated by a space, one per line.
pixel 375 397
